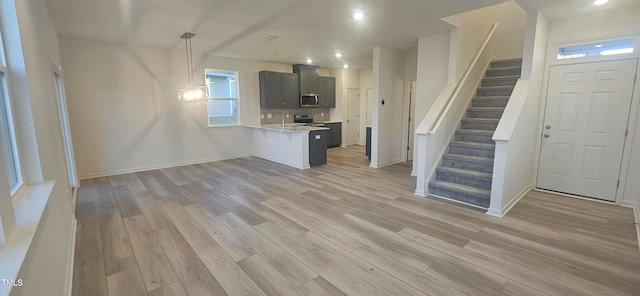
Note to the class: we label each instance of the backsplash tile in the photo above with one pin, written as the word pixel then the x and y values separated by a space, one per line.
pixel 319 114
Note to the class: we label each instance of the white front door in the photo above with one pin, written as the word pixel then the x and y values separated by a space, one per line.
pixel 585 126
pixel 353 117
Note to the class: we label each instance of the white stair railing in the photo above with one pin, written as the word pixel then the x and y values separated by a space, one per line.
pixel 438 126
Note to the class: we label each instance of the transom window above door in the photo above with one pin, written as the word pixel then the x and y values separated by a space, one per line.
pixel 607 48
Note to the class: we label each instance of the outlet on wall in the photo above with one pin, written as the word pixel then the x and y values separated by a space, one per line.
pixel 261 116
pixel 269 116
pixel 321 114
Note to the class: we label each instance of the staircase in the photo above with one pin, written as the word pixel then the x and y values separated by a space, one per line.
pixel 465 172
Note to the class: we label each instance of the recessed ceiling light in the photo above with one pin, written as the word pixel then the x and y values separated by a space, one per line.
pixel 309 61
pixel 359 15
pixel 346 66
pixel 338 55
pixel 598 46
pixel 600 2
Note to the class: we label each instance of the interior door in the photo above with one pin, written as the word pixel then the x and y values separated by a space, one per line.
pixel 585 124
pixel 412 121
pixel 353 117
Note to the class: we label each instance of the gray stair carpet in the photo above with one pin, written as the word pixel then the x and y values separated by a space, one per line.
pixel 467 168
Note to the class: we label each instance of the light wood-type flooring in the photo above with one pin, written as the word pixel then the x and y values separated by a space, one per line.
pixel 253 227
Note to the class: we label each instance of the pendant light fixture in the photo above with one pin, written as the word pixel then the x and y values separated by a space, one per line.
pixel 193 92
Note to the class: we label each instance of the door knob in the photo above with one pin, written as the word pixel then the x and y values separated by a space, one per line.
pixel 548 127
pixel 546 135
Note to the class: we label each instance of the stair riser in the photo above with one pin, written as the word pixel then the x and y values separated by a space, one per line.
pixel 495 92
pixel 489 103
pixel 454 149
pixel 481 202
pixel 487 126
pixel 503 72
pixel 464 180
pixel 474 138
pixel 503 64
pixel 499 82
pixel 468 165
pixel 484 114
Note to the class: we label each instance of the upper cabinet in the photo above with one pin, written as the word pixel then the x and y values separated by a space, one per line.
pixel 278 90
pixel 309 79
pixel 282 90
pixel 327 92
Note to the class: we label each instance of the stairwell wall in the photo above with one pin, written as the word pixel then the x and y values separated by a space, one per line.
pixel 516 135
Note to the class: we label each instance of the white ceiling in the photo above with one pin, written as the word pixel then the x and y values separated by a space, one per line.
pixel 314 29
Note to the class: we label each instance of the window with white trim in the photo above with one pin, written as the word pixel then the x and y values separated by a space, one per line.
pixel 606 48
pixel 7 131
pixel 222 107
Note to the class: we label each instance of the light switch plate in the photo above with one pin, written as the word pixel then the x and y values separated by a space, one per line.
pixel 317 137
pixel 261 116
pixel 269 116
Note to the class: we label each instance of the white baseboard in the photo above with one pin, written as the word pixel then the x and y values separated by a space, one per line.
pixel 636 213
pixel 282 162
pixel 420 193
pixel 157 167
pixel 68 286
pixel 384 164
pixel 505 209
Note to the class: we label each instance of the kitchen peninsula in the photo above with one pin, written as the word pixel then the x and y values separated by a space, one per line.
pixel 297 146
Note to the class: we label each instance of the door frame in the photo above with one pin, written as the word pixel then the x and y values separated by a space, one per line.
pixel 65 132
pixel 634 112
pixel 346 116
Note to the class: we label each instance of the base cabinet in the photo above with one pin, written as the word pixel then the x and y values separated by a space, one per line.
pixel 335 134
pixel 318 147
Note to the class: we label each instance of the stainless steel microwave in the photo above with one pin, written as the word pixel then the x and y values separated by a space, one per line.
pixel 309 101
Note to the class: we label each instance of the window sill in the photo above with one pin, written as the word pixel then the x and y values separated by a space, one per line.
pixel 29 205
pixel 226 125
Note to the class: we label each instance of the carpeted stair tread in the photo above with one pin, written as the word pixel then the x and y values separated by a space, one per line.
pixel 470 173
pixel 500 81
pixel 466 171
pixel 506 63
pixel 478 159
pixel 459 188
pixel 474 145
pixel 485 108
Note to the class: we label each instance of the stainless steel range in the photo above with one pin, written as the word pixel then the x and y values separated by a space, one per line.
pixel 306 119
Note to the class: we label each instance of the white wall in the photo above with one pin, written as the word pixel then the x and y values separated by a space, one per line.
pixel 388 85
pixel 510 34
pixel 365 82
pixel 471 28
pixel 410 74
pixel 31 56
pixel 345 79
pixel 432 75
pixel 125 114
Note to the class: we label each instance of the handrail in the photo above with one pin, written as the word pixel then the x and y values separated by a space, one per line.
pixel 444 111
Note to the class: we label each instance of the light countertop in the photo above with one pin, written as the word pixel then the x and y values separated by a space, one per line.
pixel 288 128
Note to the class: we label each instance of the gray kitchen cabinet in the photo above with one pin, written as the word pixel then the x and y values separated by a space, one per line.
pixel 317 147
pixel 309 80
pixel 278 90
pixel 334 139
pixel 290 90
pixel 328 92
